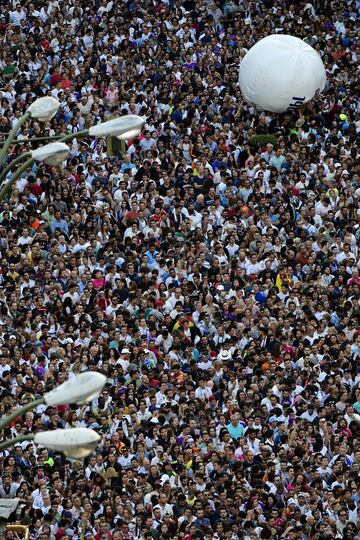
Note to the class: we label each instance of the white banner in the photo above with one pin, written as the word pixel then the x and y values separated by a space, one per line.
pixel 8 506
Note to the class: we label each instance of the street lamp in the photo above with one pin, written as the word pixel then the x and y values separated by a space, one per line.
pixel 51 154
pixel 80 389
pixel 73 442
pixel 123 128
pixel 44 109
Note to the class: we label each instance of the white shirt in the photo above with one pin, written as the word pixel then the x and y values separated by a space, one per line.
pixel 3 369
pixel 254 268
pixel 254 445
pixel 24 240
pixel 308 417
pixel 203 393
pixel 160 398
pixel 232 249
pixel 16 17
pixel 354 418
pixel 165 510
pixel 125 461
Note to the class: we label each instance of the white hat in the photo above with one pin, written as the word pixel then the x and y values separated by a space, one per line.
pixel 224 355
pixel 164 478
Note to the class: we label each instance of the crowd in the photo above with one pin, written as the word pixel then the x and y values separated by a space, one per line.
pixel 210 271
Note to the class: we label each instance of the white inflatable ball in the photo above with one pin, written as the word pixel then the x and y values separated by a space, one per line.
pixel 281 73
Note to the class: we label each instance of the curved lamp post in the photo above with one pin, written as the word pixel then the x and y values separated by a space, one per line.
pixel 51 154
pixel 73 442
pixel 80 389
pixel 42 109
pixel 124 127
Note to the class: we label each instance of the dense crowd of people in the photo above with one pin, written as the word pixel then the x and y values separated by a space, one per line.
pixel 210 269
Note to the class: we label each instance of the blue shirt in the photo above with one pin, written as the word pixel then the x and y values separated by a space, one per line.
pixel 235 432
pixel 81 286
pixel 151 256
pixel 127 166
pixel 203 522
pixel 61 224
pixel 277 161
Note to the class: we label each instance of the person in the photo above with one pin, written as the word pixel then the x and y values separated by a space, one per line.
pixel 209 268
pixel 235 429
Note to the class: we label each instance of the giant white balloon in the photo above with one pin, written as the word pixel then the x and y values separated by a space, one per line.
pixel 281 73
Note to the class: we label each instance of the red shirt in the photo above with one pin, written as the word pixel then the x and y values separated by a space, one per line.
pixel 36 189
pixel 98 535
pixel 55 78
pixel 353 281
pixel 65 83
pixel 132 215
pixel 156 217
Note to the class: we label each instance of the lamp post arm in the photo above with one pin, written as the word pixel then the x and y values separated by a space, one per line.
pixel 12 136
pixel 29 162
pixel 14 162
pixel 19 412
pixel 5 188
pixel 11 442
pixel 76 135
pixel 35 140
